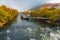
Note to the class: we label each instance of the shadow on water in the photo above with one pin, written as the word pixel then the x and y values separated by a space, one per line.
pixel 8 25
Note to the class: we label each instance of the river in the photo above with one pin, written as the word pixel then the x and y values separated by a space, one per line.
pixel 30 30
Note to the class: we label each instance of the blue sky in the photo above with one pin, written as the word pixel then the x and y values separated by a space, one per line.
pixel 22 5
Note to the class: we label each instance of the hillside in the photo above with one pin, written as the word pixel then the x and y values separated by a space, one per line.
pixel 56 5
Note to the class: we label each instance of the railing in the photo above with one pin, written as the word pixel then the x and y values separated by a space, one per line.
pixel 40 18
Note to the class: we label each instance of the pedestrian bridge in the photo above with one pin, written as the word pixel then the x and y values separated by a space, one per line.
pixel 40 18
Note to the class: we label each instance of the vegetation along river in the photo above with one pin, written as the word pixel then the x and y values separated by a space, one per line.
pixel 30 30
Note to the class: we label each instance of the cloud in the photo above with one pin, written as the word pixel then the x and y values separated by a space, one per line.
pixel 22 5
pixel 53 1
pixel 10 3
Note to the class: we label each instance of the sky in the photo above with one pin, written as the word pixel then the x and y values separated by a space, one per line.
pixel 22 5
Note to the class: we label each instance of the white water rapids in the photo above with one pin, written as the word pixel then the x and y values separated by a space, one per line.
pixel 30 30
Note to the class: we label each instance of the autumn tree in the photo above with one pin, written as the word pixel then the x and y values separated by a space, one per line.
pixel 7 14
pixel 51 13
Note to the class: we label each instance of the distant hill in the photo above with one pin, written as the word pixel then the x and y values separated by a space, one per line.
pixel 56 5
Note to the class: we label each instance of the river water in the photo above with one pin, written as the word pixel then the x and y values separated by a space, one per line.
pixel 30 30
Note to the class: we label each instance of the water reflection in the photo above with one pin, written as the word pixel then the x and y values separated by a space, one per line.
pixel 30 30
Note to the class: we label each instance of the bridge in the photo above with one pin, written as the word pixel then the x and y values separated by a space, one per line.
pixel 40 18
pixel 37 18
